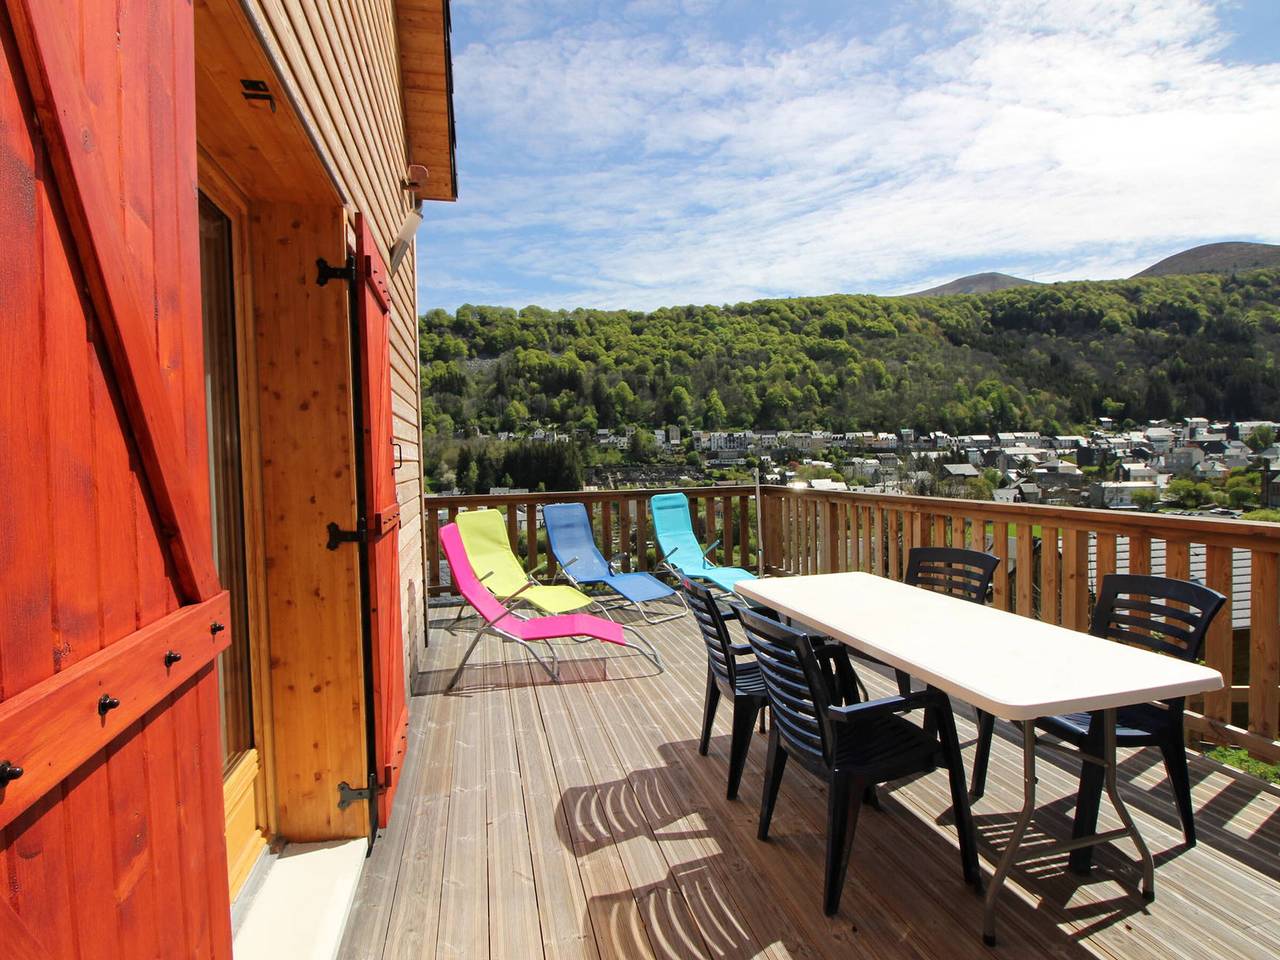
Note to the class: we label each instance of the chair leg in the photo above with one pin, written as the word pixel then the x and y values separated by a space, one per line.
pixel 465 657
pixel 745 710
pixel 844 800
pixel 775 763
pixel 982 755
pixel 946 726
pixel 1175 764
pixel 904 682
pixel 709 704
pixel 1088 800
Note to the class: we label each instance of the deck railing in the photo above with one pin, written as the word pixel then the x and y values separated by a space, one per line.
pixel 1050 559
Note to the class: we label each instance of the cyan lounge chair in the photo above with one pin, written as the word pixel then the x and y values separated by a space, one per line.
pixel 502 622
pixel 571 540
pixel 681 552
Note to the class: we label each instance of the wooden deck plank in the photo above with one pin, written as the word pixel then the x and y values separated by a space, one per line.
pixel 597 800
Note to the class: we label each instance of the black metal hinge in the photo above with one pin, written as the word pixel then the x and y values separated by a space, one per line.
pixel 364 533
pixel 325 271
pixel 347 795
pixel 338 536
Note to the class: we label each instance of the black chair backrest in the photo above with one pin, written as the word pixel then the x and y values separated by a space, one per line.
pixel 952 570
pixel 1158 613
pixel 796 686
pixel 715 632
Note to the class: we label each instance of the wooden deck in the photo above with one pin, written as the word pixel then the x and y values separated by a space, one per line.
pixel 577 820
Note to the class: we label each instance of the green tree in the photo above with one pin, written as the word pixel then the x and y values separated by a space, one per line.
pixel 641 448
pixel 1145 499
pixel 1260 437
pixel 715 415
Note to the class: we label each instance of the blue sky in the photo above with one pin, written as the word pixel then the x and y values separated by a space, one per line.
pixel 636 153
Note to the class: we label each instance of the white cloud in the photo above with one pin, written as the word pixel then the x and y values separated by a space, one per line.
pixel 639 168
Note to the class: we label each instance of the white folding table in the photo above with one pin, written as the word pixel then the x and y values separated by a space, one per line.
pixel 1008 665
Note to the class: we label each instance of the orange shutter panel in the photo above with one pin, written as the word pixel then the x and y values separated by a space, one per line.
pixel 381 512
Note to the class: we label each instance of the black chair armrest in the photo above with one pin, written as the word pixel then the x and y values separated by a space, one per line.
pixel 739 649
pixel 883 707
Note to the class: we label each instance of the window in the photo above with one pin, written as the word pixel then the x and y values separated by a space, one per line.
pixel 222 403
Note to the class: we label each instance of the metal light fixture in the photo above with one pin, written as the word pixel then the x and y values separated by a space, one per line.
pixel 404 238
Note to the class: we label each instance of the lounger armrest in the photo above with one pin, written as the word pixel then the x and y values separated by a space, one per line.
pixel 883 707
pixel 535 571
pixel 715 544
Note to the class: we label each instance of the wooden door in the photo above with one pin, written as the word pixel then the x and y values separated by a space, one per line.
pixel 380 510
pixel 111 614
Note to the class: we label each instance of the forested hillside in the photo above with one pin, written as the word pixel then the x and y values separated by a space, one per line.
pixel 1042 357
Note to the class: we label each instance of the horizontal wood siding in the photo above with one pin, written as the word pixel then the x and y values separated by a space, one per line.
pixel 341 59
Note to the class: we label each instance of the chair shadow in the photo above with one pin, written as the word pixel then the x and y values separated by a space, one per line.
pixel 696 908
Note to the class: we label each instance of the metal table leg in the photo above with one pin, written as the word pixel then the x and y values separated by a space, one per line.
pixel 1109 756
pixel 1010 855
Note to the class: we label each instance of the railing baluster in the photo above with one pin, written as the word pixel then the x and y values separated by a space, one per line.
pixel 1264 645
pixel 431 522
pixel 745 560
pixel 894 518
pixel 1049 575
pixel 957 531
pixel 1105 565
pixel 531 532
pixel 606 528
pixel 1219 641
pixel 624 532
pixel 1025 571
pixel 726 524
pixel 1000 547
pixel 1075 579
pixel 1140 553
pixel 642 533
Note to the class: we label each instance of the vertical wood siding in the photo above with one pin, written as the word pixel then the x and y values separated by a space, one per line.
pixel 124 858
pixel 340 56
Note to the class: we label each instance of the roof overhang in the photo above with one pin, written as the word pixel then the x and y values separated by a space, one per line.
pixel 426 82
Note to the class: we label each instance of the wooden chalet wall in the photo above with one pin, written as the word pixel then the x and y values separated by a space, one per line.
pixel 341 57
pixel 124 858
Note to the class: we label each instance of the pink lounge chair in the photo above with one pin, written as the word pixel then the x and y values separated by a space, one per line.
pixel 505 624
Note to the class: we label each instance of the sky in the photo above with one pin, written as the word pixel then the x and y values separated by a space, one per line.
pixel 641 153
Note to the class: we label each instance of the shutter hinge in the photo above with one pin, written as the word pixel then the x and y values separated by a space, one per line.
pixel 326 272
pixel 347 795
pixel 338 536
pixel 383 523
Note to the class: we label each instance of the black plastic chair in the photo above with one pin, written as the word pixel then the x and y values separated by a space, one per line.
pixel 817 719
pixel 965 574
pixel 1157 613
pixel 727 676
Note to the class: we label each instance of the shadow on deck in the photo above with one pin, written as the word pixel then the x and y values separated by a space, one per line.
pixel 577 820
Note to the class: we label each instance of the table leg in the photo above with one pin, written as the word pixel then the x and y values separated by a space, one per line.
pixel 1010 855
pixel 1109 756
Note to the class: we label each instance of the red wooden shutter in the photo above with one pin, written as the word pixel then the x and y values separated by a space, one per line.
pixel 381 509
pixel 111 607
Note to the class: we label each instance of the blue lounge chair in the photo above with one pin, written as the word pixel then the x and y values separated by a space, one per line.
pixel 571 540
pixel 681 552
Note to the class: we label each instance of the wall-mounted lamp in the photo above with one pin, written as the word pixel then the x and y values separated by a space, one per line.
pixel 405 237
